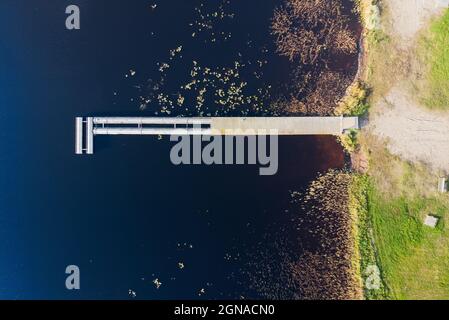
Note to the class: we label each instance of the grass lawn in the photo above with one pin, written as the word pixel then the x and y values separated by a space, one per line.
pixel 413 258
pixel 434 49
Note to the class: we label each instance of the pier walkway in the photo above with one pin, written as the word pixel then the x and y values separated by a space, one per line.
pixel 87 128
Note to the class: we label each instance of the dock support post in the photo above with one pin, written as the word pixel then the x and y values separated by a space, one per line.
pixel 90 135
pixel 79 135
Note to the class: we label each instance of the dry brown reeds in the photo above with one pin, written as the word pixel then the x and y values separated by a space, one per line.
pixel 314 257
pixel 326 268
pixel 312 34
pixel 309 29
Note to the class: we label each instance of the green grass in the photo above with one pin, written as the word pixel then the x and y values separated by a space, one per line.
pixel 434 50
pixel 414 259
pixel 368 256
pixel 391 202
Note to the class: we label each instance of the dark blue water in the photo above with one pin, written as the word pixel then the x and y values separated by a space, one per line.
pixel 126 215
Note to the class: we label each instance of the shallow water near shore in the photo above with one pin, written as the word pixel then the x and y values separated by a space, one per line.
pixel 137 226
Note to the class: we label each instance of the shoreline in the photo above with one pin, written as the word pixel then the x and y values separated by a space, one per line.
pixel 382 203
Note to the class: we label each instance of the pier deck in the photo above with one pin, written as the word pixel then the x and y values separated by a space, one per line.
pixel 87 128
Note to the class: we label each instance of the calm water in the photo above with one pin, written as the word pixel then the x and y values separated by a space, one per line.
pixel 126 216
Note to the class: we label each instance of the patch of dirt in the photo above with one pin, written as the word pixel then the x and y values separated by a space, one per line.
pixel 412 132
pixel 407 17
pixel 359 161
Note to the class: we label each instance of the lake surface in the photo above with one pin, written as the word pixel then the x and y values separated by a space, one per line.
pixel 126 216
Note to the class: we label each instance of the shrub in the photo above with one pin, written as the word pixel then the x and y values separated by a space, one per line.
pixel 354 102
pixel 349 140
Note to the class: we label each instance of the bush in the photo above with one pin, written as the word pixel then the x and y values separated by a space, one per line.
pixel 349 141
pixel 354 102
